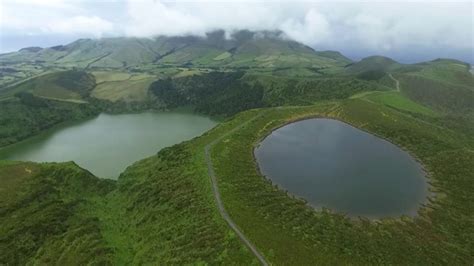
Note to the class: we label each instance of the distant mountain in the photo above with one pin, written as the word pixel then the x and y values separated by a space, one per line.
pixel 241 49
pixel 373 63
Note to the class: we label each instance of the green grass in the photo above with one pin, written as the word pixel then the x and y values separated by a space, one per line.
pixel 446 70
pixel 288 231
pixel 223 56
pixel 133 89
pixel 44 220
pixel 162 211
pixel 396 100
pixel 439 95
pixel 104 76
pixel 63 85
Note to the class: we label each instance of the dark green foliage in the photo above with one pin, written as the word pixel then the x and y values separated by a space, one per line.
pixel 227 93
pixel 77 81
pixel 283 91
pixel 170 213
pixel 29 115
pixel 57 84
pixel 29 99
pixel 233 99
pixel 437 94
pixel 371 75
pixel 165 90
pixel 44 220
pixel 216 93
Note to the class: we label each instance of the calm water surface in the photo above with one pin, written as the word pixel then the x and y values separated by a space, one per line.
pixel 334 165
pixel 107 144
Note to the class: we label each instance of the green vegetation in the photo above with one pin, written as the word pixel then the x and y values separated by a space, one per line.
pixel 396 100
pixel 171 214
pixel 66 85
pixel 44 215
pixel 227 93
pixel 63 216
pixel 162 211
pixel 373 64
pixel 216 50
pixel 27 115
pixel 214 93
pixel 132 89
pixel 438 95
pixel 288 231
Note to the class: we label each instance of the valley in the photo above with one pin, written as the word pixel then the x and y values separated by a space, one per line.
pixel 194 193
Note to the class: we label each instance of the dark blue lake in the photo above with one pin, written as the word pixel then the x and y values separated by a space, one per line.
pixel 334 165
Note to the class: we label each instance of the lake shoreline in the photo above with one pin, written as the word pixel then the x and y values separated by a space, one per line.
pixel 424 208
pixel 107 144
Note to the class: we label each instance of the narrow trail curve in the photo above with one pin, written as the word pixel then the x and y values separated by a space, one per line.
pixel 217 195
pixel 397 83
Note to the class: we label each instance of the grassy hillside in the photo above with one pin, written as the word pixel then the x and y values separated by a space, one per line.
pixel 72 85
pixel 227 93
pixel 45 217
pixel 437 94
pixel 28 115
pixel 272 219
pixel 373 63
pixel 162 210
pixel 122 86
pixel 245 48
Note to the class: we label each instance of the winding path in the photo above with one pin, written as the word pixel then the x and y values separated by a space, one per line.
pixel 217 195
pixel 397 83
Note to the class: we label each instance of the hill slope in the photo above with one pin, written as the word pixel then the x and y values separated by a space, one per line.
pixel 162 211
pixel 262 49
pixel 71 85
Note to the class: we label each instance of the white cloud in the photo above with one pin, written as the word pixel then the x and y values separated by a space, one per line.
pixel 375 26
pixel 313 30
pixel 36 17
pixel 148 18
pixel 92 25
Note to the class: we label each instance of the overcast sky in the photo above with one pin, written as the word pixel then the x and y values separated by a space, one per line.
pixel 408 31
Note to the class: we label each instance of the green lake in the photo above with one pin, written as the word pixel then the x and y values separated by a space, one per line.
pixel 333 165
pixel 107 144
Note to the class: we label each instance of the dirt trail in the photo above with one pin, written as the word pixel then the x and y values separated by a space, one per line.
pixel 217 195
pixel 397 83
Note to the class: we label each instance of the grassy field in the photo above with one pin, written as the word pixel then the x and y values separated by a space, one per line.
pixel 63 85
pixel 104 76
pixel 132 89
pixel 395 100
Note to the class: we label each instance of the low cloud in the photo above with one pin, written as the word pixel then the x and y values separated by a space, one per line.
pixel 378 26
pixel 37 17
pixel 370 26
pixel 91 25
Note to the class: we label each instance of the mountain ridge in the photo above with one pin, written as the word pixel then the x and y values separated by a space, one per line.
pixel 215 49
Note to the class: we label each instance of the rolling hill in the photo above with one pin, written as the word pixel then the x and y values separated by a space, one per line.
pixel 71 85
pixel 162 210
pixel 244 48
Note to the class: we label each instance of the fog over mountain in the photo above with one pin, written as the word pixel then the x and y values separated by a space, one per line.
pixel 408 31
